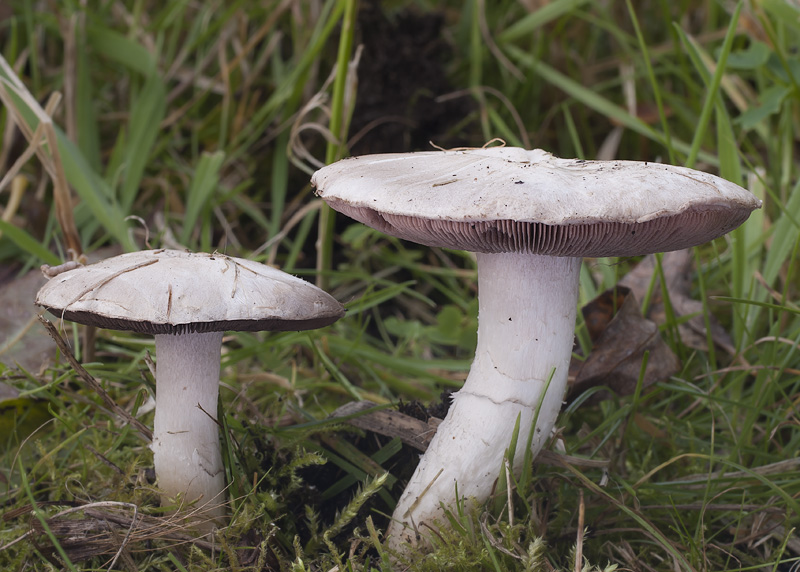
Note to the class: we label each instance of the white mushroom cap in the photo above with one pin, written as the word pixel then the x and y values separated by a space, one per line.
pixel 169 291
pixel 507 199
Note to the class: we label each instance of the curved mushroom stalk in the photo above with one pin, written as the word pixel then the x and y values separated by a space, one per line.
pixel 526 319
pixel 186 448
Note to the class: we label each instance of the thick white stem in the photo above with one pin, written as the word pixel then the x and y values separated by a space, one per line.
pixel 526 322
pixel 186 449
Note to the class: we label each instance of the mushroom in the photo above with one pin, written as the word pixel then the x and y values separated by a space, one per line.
pixel 187 300
pixel 530 217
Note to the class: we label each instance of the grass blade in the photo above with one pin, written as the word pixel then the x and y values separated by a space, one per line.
pixel 713 89
pixel 536 19
pixel 204 183
pixel 144 127
pixel 28 244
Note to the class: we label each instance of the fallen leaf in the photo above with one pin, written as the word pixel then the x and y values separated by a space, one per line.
pixel 677 268
pixel 620 340
pixel 598 313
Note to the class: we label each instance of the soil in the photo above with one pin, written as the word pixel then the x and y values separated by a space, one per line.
pixel 436 409
pixel 401 73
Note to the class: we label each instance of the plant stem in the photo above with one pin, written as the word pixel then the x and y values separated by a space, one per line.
pixel 335 150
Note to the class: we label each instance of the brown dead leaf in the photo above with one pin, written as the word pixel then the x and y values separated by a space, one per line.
pixel 598 313
pixel 677 268
pixel 620 340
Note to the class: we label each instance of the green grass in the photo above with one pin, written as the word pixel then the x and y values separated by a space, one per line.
pixel 205 120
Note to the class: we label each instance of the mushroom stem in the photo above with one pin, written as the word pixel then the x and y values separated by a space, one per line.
pixel 186 449
pixel 526 320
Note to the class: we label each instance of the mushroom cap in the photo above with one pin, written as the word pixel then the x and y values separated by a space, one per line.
pixel 170 291
pixel 507 199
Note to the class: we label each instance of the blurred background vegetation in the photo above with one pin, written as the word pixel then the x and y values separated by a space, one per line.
pixel 197 124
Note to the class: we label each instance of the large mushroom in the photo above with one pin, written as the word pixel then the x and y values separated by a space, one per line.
pixel 530 217
pixel 187 300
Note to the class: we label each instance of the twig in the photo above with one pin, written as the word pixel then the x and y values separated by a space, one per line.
pixel 92 382
pixel 411 431
pixel 509 495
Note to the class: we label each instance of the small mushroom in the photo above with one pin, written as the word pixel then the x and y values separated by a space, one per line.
pixel 530 217
pixel 187 300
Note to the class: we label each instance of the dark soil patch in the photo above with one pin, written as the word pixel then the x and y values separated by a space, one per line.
pixel 401 73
